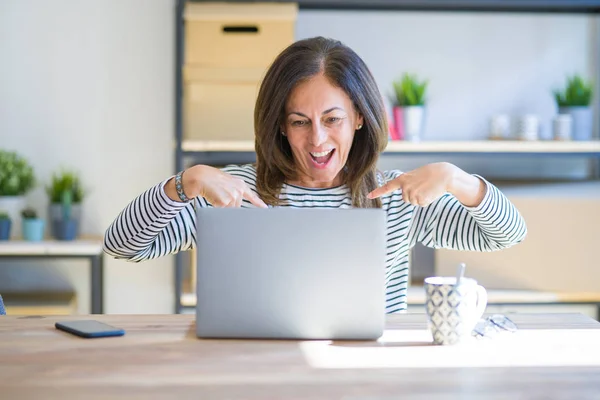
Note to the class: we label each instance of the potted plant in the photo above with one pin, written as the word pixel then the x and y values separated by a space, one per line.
pixel 575 100
pixel 33 227
pixel 5 224
pixel 16 179
pixel 409 107
pixel 66 194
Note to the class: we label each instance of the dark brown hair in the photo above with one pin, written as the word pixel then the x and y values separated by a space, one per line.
pixel 343 68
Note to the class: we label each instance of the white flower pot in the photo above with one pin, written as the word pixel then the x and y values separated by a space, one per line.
pixel 13 205
pixel 414 117
pixel 582 122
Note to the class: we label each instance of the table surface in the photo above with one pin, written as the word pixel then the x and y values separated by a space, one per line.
pixel 551 356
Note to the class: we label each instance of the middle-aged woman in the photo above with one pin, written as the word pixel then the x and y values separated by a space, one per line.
pixel 320 125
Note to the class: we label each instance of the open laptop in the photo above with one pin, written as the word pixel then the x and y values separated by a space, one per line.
pixel 285 273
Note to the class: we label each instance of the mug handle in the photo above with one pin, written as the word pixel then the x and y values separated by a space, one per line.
pixel 482 299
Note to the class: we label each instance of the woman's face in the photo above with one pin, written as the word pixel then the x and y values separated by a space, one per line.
pixel 320 121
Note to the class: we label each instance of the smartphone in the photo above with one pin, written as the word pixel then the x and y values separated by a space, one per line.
pixel 89 328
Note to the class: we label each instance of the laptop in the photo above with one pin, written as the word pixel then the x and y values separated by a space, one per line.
pixel 283 273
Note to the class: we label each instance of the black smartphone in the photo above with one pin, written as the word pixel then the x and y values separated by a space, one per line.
pixel 89 328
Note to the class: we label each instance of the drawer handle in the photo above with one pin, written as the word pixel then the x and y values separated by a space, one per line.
pixel 240 29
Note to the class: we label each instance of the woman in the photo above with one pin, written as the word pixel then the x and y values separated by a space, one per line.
pixel 320 125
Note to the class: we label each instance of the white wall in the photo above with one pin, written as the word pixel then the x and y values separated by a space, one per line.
pixel 89 84
pixel 478 64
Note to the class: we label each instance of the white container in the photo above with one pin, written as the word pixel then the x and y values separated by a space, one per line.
pixel 499 126
pixel 414 117
pixel 562 127
pixel 528 127
pixel 582 122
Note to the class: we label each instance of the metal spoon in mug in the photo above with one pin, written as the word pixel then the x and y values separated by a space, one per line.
pixel 460 273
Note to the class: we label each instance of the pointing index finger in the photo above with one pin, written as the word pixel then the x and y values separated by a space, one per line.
pixel 253 198
pixel 385 189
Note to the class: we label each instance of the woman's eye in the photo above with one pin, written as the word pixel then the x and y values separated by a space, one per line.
pixel 298 123
pixel 333 120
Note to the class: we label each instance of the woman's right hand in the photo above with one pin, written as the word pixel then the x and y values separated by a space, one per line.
pixel 218 188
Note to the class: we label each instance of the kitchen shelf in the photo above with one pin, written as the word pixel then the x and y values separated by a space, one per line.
pixel 495 146
pixel 536 6
pixel 194 146
pixel 482 146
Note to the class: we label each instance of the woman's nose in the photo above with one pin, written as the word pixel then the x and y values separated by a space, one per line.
pixel 318 135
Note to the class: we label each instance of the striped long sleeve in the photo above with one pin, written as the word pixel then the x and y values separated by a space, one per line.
pixel 151 226
pixel 494 224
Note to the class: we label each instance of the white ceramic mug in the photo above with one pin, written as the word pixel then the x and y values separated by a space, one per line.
pixel 453 310
pixel 528 127
pixel 499 127
pixel 563 124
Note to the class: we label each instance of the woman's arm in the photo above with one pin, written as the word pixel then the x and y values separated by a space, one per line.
pixel 157 223
pixel 493 224
pixel 457 210
pixel 151 226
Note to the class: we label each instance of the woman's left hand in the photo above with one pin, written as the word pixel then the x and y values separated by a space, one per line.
pixel 422 186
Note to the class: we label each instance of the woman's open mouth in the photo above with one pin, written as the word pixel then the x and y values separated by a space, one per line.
pixel 322 158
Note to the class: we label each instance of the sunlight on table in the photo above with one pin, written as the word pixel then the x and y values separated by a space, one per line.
pixel 414 349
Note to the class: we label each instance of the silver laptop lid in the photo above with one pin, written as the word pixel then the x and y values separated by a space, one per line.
pixel 291 273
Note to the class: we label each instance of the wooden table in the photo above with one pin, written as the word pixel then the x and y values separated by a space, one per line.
pixel 553 356
pixel 88 249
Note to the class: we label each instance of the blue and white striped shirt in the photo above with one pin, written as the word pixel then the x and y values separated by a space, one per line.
pixel 153 225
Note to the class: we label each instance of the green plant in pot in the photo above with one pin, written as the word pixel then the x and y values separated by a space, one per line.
pixel 66 195
pixel 5 225
pixel 575 100
pixel 16 179
pixel 409 106
pixel 33 226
